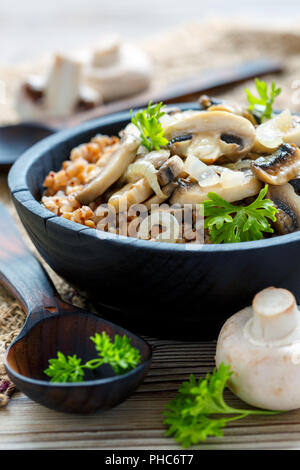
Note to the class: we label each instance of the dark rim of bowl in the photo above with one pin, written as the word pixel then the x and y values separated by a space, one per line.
pixel 17 181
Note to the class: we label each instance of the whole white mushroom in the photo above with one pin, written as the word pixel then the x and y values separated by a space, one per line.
pixel 58 94
pixel 118 69
pixel 261 344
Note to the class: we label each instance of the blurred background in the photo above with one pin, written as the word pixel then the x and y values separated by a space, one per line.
pixel 28 29
pixel 172 41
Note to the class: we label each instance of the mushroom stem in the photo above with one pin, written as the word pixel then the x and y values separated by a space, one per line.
pixel 275 315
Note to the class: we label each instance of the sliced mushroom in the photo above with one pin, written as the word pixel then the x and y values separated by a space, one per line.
pixel 130 194
pixel 280 167
pixel 167 191
pixel 156 157
pixel 170 170
pixel 113 169
pixel 193 193
pixel 288 205
pixel 180 145
pixel 240 164
pixel 146 170
pixel 216 133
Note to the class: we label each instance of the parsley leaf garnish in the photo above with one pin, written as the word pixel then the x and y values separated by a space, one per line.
pixel 120 355
pixel 232 224
pixel 65 369
pixel 147 122
pixel 262 106
pixel 192 416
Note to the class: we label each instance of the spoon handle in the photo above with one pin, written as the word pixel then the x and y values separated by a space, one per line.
pixel 22 274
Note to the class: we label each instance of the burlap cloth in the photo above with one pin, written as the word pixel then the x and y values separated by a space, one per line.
pixel 183 52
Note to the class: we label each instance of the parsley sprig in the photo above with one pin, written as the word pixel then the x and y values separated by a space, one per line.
pixel 262 106
pixel 120 355
pixel 147 122
pixel 231 224
pixel 192 416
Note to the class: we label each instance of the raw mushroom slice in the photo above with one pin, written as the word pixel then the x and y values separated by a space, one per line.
pixel 62 87
pixel 288 204
pixel 193 193
pixel 113 169
pixel 280 167
pixel 58 95
pixel 215 133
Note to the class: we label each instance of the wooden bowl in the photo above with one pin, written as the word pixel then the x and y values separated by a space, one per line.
pixel 153 288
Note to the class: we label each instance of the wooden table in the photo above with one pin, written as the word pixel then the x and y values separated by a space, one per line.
pixel 137 423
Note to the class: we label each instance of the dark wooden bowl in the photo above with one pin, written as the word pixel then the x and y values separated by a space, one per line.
pixel 154 288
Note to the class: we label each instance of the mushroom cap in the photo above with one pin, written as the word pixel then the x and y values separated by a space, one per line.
pixel 128 73
pixel 264 376
pixel 288 204
pixel 280 167
pixel 193 193
pixel 235 134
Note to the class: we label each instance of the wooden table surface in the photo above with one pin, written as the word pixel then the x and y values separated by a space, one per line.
pixel 137 423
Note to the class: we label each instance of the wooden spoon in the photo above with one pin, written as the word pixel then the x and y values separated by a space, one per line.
pixel 16 138
pixel 53 325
